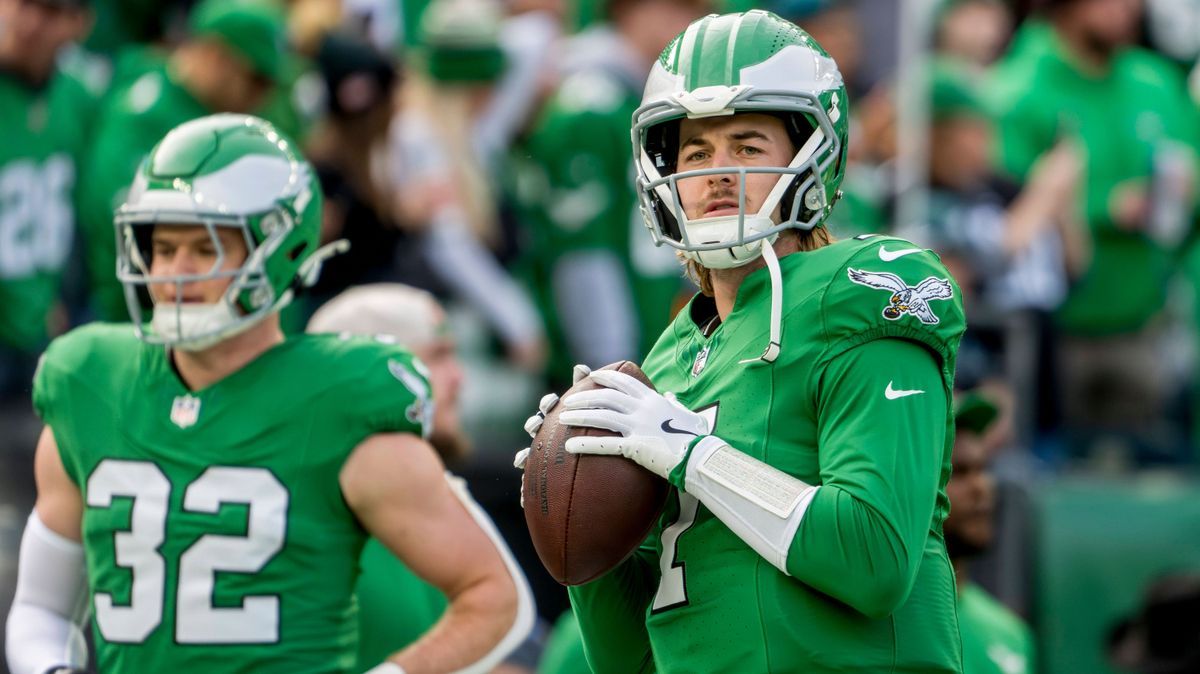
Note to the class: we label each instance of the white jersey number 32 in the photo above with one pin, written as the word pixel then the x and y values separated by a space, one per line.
pixel 197 621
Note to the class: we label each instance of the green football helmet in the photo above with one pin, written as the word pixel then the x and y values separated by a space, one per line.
pixel 223 170
pixel 730 64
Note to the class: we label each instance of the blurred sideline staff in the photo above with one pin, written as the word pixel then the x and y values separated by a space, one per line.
pixel 410 165
pixel 413 319
pixel 1013 249
pixel 994 639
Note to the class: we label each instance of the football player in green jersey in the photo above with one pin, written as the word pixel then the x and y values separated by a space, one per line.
pixel 804 530
pixel 212 484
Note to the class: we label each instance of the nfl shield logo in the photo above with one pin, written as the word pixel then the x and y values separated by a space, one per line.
pixel 185 411
pixel 701 361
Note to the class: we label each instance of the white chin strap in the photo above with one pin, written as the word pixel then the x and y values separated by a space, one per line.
pixel 770 353
pixel 195 327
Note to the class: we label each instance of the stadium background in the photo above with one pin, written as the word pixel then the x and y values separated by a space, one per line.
pixel 495 187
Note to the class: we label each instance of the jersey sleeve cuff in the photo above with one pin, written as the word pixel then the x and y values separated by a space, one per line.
pixel 678 474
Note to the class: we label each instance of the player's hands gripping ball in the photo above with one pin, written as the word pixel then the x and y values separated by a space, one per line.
pixel 585 512
pixel 654 430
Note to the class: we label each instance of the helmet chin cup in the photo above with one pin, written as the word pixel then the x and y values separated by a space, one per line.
pixel 196 327
pixel 722 229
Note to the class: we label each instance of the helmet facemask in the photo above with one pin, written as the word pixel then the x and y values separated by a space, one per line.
pixel 189 325
pixel 217 173
pixel 733 240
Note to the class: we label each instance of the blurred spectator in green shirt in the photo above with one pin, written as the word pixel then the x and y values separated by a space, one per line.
pixel 1072 74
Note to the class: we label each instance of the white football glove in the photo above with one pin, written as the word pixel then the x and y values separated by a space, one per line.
pixel 534 423
pixel 656 430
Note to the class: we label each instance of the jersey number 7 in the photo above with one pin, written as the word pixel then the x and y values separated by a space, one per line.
pixel 672 583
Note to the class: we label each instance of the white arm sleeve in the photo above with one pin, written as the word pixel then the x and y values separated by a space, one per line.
pixel 50 600
pixel 595 307
pixel 763 506
pixel 463 264
pixel 528 41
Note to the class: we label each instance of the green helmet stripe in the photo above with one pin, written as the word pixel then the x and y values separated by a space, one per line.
pixel 750 49
pixel 717 39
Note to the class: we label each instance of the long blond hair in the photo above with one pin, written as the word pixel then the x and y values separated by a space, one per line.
pixel 806 240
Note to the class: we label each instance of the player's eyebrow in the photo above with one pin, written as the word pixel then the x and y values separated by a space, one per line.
pixel 748 134
pixel 180 238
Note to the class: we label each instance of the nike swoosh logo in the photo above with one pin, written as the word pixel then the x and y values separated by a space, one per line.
pixel 889 255
pixel 891 393
pixel 668 428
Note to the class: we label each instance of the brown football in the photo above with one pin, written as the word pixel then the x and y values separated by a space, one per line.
pixel 586 512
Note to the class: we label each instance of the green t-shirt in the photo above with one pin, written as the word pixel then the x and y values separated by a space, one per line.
pixel 215 531
pixel 45 132
pixel 857 402
pixel 994 639
pixel 1125 120
pixel 395 607
pixel 581 200
pixel 132 120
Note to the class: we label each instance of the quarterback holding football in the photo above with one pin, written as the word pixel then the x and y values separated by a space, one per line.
pixel 805 422
pixel 205 486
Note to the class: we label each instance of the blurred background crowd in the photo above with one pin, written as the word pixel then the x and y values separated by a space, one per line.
pixel 478 150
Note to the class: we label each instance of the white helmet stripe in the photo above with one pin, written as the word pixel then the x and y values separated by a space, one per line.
pixel 688 43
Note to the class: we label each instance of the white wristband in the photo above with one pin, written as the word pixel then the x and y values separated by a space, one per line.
pixel 50 598
pixel 759 503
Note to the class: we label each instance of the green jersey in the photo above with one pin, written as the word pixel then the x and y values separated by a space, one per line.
pixel 994 639
pixel 44 137
pixel 1134 121
pixel 858 402
pixel 215 530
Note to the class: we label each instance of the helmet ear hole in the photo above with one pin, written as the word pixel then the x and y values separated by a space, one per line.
pixel 144 300
pixel 799 129
pixel 670 224
pixel 662 146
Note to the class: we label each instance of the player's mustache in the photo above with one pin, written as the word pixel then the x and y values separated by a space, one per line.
pixel 722 194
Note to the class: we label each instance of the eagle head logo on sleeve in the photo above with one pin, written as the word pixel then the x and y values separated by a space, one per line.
pixel 906 299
